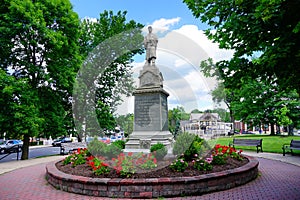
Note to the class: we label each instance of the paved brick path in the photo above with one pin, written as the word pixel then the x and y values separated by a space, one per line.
pixel 277 181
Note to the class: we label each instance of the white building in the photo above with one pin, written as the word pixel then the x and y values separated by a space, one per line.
pixel 206 124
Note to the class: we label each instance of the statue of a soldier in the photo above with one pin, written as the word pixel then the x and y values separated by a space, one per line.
pixel 150 43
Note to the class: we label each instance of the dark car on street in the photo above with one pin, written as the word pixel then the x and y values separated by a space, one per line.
pixel 57 142
pixel 9 146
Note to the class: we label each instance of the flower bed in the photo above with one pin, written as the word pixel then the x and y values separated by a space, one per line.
pixel 119 178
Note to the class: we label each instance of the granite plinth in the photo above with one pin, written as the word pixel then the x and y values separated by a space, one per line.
pixel 138 139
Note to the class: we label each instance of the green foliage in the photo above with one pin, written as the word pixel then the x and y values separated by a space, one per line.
pixel 179 165
pixel 108 46
pixel 219 159
pixel 125 165
pixel 77 158
pixel 265 38
pixel 112 151
pixel 160 150
pixel 39 48
pixel 146 162
pixel 126 123
pixel 174 117
pixel 198 147
pixel 222 152
pixel 282 116
pixel 188 145
pixel 120 144
pixel 96 147
pixel 105 116
pixel 203 164
pixel 183 142
pixel 42 47
pixel 115 80
pixel 98 165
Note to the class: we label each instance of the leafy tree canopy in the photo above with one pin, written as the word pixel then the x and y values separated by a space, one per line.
pixel 40 54
pixel 108 46
pixel 266 29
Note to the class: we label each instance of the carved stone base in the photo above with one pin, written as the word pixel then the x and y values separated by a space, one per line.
pixel 146 139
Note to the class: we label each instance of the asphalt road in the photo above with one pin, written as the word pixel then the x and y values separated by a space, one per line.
pixel 33 153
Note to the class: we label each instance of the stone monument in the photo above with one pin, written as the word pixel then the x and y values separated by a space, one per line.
pixel 150 103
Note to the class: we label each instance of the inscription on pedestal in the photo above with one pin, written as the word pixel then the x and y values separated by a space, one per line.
pixel 147 112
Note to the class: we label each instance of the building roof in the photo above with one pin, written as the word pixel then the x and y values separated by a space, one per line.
pixel 204 117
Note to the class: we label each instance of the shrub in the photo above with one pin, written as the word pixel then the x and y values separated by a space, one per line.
pixel 124 165
pixel 96 147
pixel 77 158
pixel 219 159
pixel 179 165
pixel 188 145
pixel 160 151
pixel 112 150
pixel 194 148
pixel 204 165
pixel 120 144
pixel 98 165
pixel 183 142
pixel 221 152
pixel 146 161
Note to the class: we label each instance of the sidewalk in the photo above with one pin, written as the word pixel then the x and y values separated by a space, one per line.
pixel 13 165
pixel 278 179
pixel 288 158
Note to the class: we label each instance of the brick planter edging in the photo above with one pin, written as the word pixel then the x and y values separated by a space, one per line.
pixel 152 187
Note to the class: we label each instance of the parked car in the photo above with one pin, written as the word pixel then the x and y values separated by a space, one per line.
pixel 9 146
pixel 113 138
pixel 57 142
pixel 119 137
pixel 105 140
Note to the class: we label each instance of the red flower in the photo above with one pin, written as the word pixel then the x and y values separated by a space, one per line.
pixel 104 164
pixel 90 158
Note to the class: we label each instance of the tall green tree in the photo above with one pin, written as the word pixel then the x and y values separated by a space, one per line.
pixel 220 94
pixel 125 122
pixel 108 44
pixel 267 28
pixel 116 79
pixel 174 117
pixel 39 46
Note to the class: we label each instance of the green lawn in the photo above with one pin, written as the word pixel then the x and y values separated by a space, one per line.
pixel 272 144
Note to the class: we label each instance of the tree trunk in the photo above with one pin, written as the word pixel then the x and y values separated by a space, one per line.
pixel 232 119
pixel 272 129
pixel 290 130
pixel 25 148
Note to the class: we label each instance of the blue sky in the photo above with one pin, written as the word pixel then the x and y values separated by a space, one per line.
pixel 142 11
pixel 182 46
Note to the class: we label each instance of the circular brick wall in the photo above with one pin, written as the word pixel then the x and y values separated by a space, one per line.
pixel 152 187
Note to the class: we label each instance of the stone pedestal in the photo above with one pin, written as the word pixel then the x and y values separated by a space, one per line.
pixel 150 112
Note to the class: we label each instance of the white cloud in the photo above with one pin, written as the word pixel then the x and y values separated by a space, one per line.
pixel 180 63
pixel 212 49
pixel 179 54
pixel 162 25
pixel 91 19
pixel 197 81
